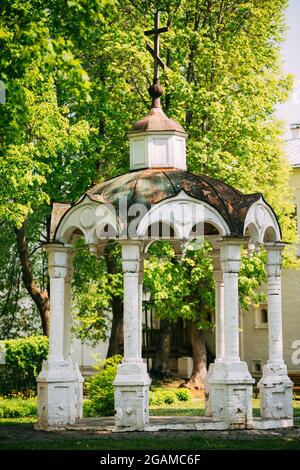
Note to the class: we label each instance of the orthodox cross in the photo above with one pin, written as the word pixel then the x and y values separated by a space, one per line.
pixel 156 90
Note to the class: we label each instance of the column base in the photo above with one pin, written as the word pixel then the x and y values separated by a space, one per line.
pixel 230 394
pixel 56 396
pixel 132 385
pixel 276 393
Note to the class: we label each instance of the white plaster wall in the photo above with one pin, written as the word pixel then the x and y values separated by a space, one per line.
pixel 86 355
pixel 295 183
pixel 291 315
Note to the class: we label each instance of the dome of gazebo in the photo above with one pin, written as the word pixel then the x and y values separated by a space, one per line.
pixel 151 186
pixel 156 120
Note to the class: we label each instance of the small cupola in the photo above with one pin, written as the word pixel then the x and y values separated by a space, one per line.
pixel 157 141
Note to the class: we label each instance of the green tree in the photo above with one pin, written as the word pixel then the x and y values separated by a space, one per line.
pixel 42 143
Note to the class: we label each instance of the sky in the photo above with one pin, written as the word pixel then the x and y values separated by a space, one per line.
pixel 290 111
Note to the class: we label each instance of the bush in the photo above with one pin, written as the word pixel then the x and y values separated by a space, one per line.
pixel 183 394
pixel 156 397
pixel 18 407
pixel 101 389
pixel 162 396
pixel 24 358
pixel 169 398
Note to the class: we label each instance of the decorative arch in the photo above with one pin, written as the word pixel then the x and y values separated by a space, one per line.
pixel 96 221
pixel 261 223
pixel 182 212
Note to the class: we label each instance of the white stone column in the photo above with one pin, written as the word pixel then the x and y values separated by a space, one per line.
pixel 230 382
pixel 219 324
pixel 68 307
pixel 275 385
pixel 274 304
pixel 141 276
pixel 68 321
pixel 132 381
pixel 230 262
pixel 56 386
pixel 219 306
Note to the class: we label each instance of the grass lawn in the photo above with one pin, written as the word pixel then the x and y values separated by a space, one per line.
pixel 157 443
pixel 17 433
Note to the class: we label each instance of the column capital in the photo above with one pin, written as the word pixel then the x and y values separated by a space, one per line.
pixel 230 255
pixel 131 257
pixel 57 259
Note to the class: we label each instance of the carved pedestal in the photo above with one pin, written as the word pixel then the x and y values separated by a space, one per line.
pixel 56 396
pixel 230 394
pixel 132 397
pixel 276 393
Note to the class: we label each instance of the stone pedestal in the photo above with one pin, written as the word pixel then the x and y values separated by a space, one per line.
pixel 132 381
pixel 132 396
pixel 56 396
pixel 231 394
pixel 276 393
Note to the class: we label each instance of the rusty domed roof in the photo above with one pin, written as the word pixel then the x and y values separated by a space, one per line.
pixel 150 186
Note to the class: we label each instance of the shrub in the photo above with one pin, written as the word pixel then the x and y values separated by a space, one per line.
pixel 101 389
pixel 23 362
pixel 18 407
pixel 162 396
pixel 183 394
pixel 169 397
pixel 87 409
pixel 156 397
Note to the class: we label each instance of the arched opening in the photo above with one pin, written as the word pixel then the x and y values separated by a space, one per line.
pixel 270 235
pixel 166 335
pixel 161 231
pixel 251 231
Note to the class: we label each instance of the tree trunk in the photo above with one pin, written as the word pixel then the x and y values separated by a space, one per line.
pixel 160 369
pixel 40 297
pixel 199 372
pixel 116 336
pixel 116 341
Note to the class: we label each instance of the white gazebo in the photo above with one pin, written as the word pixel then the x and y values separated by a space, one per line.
pixel 159 200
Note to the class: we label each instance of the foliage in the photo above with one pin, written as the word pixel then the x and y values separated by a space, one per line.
pixel 184 287
pixel 18 407
pixel 101 390
pixel 23 359
pixel 37 134
pixel 17 312
pixel 94 290
pixel 183 394
pixel 168 396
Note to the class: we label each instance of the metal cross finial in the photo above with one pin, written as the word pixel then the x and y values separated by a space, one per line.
pixel 156 90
